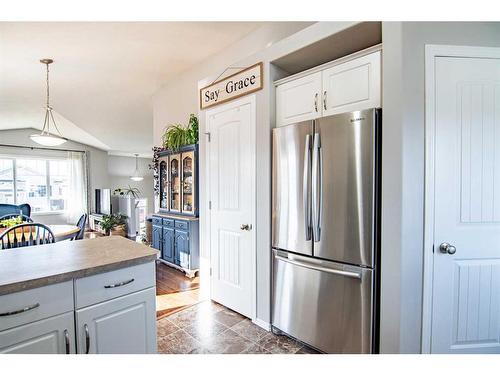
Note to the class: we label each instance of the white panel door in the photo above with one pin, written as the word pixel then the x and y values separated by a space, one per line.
pixel 124 325
pixel 466 283
pixel 54 335
pixel 232 195
pixel 298 100
pixel 352 86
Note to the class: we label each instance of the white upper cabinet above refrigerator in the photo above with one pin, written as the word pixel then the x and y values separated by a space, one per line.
pixel 299 100
pixel 336 87
pixel 352 86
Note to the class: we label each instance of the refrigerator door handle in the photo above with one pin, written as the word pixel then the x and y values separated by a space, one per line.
pixel 354 275
pixel 306 186
pixel 317 177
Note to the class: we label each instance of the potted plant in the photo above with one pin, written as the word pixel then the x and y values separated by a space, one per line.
pixel 8 223
pixel 114 225
pixel 128 191
pixel 177 135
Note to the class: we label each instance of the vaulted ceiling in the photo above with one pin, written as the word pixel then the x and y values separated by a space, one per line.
pixel 103 76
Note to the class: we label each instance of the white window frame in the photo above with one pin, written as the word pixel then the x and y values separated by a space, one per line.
pixel 47 179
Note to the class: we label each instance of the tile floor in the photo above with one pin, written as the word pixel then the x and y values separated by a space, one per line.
pixel 210 328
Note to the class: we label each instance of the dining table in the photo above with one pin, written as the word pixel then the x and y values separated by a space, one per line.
pixel 61 231
pixel 64 231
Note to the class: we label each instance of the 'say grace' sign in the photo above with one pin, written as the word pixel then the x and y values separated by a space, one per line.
pixel 242 83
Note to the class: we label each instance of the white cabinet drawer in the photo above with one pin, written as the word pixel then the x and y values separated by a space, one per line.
pixel 105 286
pixel 54 335
pixel 35 304
pixel 352 86
pixel 298 100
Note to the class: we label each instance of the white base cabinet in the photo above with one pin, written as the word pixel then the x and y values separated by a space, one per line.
pixel 115 312
pixel 120 326
pixel 54 335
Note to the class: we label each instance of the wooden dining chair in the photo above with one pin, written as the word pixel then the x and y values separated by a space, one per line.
pixel 26 234
pixel 26 219
pixel 81 224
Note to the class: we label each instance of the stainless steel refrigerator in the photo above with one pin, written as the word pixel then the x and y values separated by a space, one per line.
pixel 325 236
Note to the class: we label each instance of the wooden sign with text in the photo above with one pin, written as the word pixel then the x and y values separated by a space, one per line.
pixel 242 83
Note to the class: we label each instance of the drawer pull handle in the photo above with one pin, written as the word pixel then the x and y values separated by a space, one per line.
pixel 24 309
pixel 87 339
pixel 119 284
pixel 66 341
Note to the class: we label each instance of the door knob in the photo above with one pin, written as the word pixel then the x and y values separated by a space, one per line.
pixel 446 248
pixel 246 226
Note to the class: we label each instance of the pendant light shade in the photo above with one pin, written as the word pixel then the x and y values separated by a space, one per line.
pixel 136 176
pixel 45 138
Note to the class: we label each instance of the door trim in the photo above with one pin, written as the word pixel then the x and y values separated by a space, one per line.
pixel 249 99
pixel 431 52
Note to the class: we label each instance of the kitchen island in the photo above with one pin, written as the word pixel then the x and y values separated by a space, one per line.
pixel 87 296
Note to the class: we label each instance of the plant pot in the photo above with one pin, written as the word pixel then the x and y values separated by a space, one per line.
pixel 119 230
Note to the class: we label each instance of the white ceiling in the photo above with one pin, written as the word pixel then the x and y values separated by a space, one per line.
pixel 103 76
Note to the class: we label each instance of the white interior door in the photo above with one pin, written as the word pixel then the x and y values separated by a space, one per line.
pixel 232 195
pixel 466 274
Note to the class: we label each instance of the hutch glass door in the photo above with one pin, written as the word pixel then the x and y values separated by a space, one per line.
pixel 175 183
pixel 164 183
pixel 188 189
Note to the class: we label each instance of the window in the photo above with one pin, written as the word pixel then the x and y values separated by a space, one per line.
pixel 42 183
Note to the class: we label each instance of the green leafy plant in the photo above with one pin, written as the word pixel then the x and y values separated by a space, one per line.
pixel 8 223
pixel 177 135
pixel 192 130
pixel 134 192
pixel 109 222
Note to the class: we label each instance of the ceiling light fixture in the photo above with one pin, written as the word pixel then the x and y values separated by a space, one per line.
pixel 136 176
pixel 45 138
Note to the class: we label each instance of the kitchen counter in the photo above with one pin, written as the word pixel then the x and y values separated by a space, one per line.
pixel 36 266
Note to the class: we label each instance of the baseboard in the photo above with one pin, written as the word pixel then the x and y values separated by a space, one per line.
pixel 262 324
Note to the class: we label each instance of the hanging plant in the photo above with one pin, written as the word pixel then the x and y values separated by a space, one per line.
pixel 192 130
pixel 155 167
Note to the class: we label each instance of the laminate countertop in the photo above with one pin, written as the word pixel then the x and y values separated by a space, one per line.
pixel 36 266
pixel 177 217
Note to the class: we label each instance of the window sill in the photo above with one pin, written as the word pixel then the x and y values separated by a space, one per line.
pixel 46 213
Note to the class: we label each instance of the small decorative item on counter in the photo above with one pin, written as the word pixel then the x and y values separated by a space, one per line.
pixel 114 224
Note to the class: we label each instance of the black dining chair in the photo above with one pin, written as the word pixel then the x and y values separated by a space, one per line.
pixel 81 224
pixel 25 219
pixel 26 234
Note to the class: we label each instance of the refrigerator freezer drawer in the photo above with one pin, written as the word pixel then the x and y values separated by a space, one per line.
pixel 324 304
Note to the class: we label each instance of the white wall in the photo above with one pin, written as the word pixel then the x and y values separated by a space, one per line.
pixel 403 169
pixel 179 97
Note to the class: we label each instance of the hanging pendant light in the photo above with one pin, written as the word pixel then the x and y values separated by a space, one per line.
pixel 136 176
pixel 45 138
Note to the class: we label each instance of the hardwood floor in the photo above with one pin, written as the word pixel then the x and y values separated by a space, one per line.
pixel 174 291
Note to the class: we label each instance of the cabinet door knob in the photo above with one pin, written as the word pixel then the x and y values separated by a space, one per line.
pixel 447 248
pixel 246 227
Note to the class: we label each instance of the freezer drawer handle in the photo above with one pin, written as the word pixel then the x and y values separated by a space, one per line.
pixel 354 275
pixel 306 187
